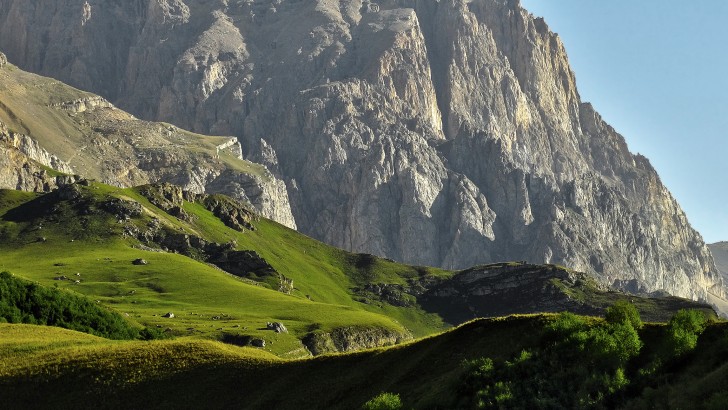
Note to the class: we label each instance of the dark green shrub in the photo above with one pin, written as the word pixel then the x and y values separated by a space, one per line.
pixel 151 333
pixel 384 401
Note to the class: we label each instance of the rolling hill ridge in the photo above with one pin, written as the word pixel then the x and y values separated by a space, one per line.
pixel 225 272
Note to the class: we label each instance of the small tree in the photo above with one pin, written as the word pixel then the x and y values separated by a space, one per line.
pixel 384 401
pixel 684 329
pixel 623 311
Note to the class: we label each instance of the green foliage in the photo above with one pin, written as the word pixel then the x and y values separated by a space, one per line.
pixel 78 371
pixel 151 333
pixel 578 364
pixel 683 331
pixel 623 311
pixel 384 401
pixel 26 302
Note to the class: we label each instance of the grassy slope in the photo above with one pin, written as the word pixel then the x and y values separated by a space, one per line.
pixel 26 101
pixel 197 374
pixel 206 301
pixel 324 273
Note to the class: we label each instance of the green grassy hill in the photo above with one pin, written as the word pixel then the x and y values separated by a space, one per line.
pixel 70 235
pixel 77 370
pixel 148 251
pixel 85 238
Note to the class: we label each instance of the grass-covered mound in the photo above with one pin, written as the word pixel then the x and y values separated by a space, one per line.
pixel 25 302
pixel 545 361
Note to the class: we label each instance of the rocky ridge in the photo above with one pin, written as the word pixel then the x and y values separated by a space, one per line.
pixel 444 133
pixel 22 164
pixel 77 133
pixel 515 288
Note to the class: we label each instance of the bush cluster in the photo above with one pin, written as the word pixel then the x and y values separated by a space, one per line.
pixel 30 303
pixel 580 363
pixel 384 401
pixel 683 331
pixel 576 365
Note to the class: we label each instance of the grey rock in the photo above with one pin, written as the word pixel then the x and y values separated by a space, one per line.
pixel 69 192
pixel 444 133
pixel 276 327
pixel 123 209
pixel 169 315
pixel 347 339
pixel 22 163
pixel 720 253
pixel 140 262
pixel 257 343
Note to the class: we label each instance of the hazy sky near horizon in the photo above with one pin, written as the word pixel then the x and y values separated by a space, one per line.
pixel 657 71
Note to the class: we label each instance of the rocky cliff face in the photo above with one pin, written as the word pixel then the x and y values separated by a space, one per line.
pixel 720 253
pixel 433 132
pixel 22 161
pixel 79 133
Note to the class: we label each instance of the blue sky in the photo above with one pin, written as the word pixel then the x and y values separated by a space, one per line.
pixel 657 71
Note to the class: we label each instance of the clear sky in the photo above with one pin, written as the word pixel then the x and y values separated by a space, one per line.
pixel 657 71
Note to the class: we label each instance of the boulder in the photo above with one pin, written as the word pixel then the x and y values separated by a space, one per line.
pixel 169 315
pixel 123 209
pixel 69 192
pixel 140 262
pixel 276 327
pixel 258 343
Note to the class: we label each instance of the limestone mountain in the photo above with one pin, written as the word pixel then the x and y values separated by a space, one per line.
pixel 720 253
pixel 44 123
pixel 444 133
pixel 719 250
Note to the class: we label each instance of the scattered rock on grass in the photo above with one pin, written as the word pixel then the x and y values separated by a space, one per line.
pixel 169 315
pixel 276 327
pixel 140 262
pixel 258 342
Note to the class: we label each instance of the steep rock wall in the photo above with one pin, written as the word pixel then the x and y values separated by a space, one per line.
pixel 433 132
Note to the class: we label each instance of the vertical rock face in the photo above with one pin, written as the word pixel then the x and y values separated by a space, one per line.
pixel 720 253
pixel 434 132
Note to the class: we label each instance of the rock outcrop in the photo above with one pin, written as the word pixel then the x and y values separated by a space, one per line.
pixel 348 339
pixel 516 288
pixel 444 133
pixel 22 161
